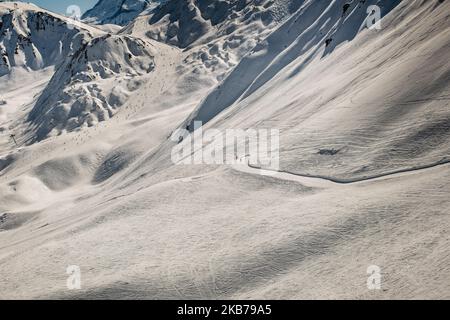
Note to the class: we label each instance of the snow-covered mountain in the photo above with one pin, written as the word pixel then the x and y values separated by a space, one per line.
pixel 87 138
pixel 215 34
pixel 34 38
pixel 91 84
pixel 314 30
pixel 95 71
pixel 120 12
pixel 184 23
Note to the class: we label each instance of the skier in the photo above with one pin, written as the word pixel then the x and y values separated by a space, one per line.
pixel 13 136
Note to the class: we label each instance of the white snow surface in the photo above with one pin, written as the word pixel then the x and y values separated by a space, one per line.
pixel 364 152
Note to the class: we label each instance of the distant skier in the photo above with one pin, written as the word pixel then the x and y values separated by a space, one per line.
pixel 13 136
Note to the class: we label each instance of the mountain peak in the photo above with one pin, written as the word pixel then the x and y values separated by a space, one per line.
pixel 24 33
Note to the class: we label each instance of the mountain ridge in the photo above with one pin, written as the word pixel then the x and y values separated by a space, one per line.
pixel 120 12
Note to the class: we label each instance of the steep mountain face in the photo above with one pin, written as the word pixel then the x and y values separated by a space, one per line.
pixel 92 84
pixel 34 39
pixel 349 101
pixel 95 71
pixel 120 12
pixel 314 30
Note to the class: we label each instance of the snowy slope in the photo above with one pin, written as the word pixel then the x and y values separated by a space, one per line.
pixel 364 144
pixel 120 12
pixel 374 112
pixel 303 37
